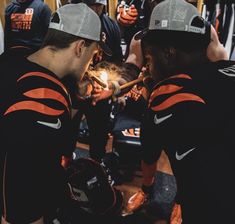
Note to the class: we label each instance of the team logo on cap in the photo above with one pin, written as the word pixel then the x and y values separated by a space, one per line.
pixel 157 22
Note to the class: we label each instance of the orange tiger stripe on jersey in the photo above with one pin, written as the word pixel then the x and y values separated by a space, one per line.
pixel 180 97
pixel 164 89
pixel 182 76
pixel 34 106
pixel 20 46
pixel 45 93
pixel 43 75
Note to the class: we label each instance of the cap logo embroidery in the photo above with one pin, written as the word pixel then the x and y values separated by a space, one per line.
pixel 157 22
pixel 164 23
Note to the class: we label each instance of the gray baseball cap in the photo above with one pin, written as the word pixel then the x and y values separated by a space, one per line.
pixel 79 20
pixel 175 15
pixel 90 2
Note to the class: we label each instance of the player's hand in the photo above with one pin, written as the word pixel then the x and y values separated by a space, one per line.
pixel 100 95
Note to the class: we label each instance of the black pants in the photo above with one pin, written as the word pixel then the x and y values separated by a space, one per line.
pixel 98 120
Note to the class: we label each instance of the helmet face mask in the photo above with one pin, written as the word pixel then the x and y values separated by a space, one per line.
pixel 89 187
pixel 77 194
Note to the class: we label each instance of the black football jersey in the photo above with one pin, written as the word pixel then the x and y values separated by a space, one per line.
pixel 36 131
pixel 191 117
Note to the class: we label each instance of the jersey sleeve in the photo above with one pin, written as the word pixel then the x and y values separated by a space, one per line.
pixel 151 145
pixel 38 114
pixel 175 117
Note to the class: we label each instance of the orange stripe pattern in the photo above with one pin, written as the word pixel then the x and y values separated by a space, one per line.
pixel 33 106
pixel 181 76
pixel 164 89
pixel 19 46
pixel 43 75
pixel 45 93
pixel 180 97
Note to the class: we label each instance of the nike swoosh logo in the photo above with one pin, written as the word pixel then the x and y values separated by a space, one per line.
pixel 56 125
pixel 160 120
pixel 180 157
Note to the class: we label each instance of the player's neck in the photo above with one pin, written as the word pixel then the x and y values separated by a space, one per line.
pixel 53 61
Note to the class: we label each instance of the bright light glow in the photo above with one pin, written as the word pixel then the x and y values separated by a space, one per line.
pixel 104 77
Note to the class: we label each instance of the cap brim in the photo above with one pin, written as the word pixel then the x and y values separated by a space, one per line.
pixel 105 48
pixel 141 34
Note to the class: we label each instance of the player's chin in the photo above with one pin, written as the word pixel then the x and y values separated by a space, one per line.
pixel 78 76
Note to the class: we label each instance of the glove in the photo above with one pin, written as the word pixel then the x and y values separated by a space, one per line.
pixel 176 215
pixel 139 198
pixel 127 15
pixel 136 201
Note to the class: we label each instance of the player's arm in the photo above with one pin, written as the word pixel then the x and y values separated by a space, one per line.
pixel 152 147
pixel 216 50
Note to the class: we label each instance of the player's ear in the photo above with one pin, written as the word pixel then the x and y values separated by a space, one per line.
pixel 79 47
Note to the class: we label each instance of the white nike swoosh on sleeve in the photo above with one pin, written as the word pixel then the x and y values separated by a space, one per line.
pixel 160 120
pixel 56 125
pixel 180 157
